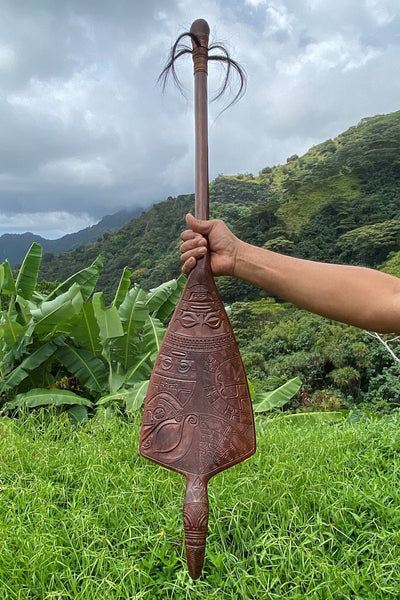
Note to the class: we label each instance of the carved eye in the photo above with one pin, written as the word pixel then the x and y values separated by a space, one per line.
pixel 189 320
pixel 212 320
pixel 166 363
pixel 159 413
pixel 199 296
pixel 184 366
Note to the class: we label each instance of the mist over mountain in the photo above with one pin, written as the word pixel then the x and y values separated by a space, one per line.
pixel 14 246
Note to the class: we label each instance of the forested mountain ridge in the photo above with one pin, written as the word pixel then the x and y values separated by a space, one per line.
pixel 338 202
pixel 336 187
pixel 149 243
pixel 14 246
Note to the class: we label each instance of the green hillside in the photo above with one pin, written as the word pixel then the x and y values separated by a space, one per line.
pixel 338 202
pixel 336 187
pixel 149 243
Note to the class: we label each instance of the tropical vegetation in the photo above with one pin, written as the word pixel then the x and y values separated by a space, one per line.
pixel 338 202
pixel 340 367
pixel 66 347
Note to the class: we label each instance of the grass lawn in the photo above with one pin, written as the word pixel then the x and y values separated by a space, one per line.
pixel 314 515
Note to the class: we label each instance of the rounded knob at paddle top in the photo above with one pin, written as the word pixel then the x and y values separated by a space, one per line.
pixel 200 27
pixel 201 30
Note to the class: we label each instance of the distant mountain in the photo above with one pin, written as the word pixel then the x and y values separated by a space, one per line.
pixel 14 246
pixel 339 202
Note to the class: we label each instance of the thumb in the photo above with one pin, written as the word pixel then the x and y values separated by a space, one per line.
pixel 197 225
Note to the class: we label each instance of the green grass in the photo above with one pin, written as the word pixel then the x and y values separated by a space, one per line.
pixel 315 514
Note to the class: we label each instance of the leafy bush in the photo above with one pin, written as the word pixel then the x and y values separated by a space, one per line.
pixel 279 342
pixel 66 348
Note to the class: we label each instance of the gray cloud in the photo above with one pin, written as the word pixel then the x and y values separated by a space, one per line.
pixel 86 131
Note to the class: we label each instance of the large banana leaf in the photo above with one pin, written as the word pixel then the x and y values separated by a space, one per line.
pixel 28 273
pixel 86 279
pixel 108 319
pixel 43 397
pixel 88 369
pixel 278 397
pixel 15 339
pixel 7 284
pixel 123 287
pixel 162 300
pixel 124 350
pixel 20 309
pixel 154 332
pixel 31 362
pixel 133 313
pixel 53 315
pixel 12 330
pixel 132 398
pixel 140 368
pixel 136 398
pixel 133 310
pixel 85 329
pixel 78 413
pixel 116 378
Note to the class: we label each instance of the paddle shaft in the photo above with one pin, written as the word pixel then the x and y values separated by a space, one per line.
pixel 200 56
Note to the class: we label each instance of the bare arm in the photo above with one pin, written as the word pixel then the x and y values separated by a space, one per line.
pixel 355 295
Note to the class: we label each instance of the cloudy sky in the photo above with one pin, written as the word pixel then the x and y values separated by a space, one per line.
pixel 85 130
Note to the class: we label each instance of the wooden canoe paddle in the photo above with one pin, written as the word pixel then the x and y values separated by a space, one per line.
pixel 198 417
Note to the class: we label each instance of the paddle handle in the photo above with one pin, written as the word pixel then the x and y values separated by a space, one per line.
pixel 201 30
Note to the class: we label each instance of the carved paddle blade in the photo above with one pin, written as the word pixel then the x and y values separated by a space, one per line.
pixel 198 417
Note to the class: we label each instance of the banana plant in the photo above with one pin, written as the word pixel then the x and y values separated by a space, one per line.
pixel 70 335
pixel 266 401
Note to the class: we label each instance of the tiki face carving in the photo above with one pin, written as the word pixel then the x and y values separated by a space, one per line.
pixel 200 311
pixel 198 317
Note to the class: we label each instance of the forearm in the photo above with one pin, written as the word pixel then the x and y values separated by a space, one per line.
pixel 355 295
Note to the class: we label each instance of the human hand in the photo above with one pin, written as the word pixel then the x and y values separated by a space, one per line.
pixel 221 241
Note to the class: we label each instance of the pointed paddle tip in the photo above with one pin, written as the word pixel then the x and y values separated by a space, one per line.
pixel 200 26
pixel 195 561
